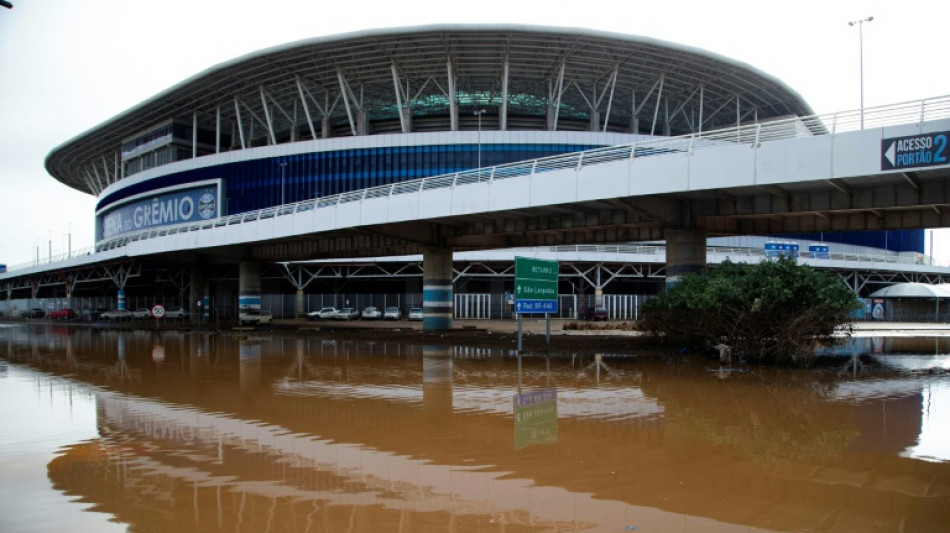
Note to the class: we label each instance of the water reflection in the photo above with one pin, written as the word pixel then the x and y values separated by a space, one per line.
pixel 229 433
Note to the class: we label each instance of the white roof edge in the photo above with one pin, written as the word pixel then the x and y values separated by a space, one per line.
pixel 424 29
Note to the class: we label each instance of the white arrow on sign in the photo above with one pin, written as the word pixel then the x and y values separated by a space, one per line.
pixel 889 153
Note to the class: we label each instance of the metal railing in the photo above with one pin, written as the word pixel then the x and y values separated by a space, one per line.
pixel 750 134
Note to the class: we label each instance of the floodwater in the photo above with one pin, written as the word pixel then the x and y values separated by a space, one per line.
pixel 141 431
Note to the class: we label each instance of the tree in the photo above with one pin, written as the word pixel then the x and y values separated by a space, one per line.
pixel 772 312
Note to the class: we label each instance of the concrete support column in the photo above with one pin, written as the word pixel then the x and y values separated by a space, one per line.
pixel 598 287
pixel 437 295
pixel 299 309
pixel 121 299
pixel 198 301
pixel 325 130
pixel 249 286
pixel 685 253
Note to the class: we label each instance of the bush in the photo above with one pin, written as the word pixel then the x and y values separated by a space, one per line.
pixel 772 312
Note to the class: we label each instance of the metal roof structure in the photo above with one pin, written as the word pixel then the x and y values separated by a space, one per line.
pixel 433 78
pixel 912 290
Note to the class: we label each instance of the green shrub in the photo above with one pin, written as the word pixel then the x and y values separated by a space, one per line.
pixel 772 312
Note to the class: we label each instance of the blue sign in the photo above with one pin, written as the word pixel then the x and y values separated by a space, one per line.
pixel 176 207
pixel 536 306
pixel 819 251
pixel 775 249
pixel 924 150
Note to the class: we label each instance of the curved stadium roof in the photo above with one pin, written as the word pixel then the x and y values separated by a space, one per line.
pixel 619 76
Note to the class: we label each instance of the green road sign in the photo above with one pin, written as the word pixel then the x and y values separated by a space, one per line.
pixel 535 285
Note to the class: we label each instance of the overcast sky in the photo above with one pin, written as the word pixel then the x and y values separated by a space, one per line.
pixel 68 65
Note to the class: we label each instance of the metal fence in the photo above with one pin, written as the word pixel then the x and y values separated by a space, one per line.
pixel 469 306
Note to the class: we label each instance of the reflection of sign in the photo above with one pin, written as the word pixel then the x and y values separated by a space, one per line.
pixel 877 310
pixel 535 418
pixel 162 209
pixel 535 285
pixel 158 311
pixel 925 150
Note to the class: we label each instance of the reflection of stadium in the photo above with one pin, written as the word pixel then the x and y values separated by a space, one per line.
pixel 315 118
pixel 197 435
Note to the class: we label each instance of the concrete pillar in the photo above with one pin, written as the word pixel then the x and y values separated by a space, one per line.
pixel 299 309
pixel 121 298
pixel 325 131
pixel 595 121
pixel 685 253
pixel 249 286
pixel 198 301
pixel 437 296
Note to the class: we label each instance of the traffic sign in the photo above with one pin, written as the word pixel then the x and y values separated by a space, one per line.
pixel 158 311
pixel 535 285
pixel 924 150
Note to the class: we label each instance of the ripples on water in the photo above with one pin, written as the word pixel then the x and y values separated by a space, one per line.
pixel 177 431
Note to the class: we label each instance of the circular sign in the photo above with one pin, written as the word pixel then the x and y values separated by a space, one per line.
pixel 206 207
pixel 158 310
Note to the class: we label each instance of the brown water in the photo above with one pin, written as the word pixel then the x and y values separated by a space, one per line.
pixel 146 431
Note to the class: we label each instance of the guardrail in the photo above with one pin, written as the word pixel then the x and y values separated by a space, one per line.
pixel 751 134
pixel 737 252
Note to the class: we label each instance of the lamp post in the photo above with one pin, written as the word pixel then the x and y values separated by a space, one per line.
pixel 860 24
pixel 479 114
pixel 283 167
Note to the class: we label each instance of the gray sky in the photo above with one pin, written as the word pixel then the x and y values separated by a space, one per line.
pixel 68 65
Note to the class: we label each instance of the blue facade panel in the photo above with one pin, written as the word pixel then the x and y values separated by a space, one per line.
pixel 259 183
pixel 912 240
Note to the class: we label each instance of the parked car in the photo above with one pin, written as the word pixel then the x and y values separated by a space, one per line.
pixel 35 312
pixel 142 313
pixel 253 317
pixel 92 313
pixel 176 313
pixel 392 313
pixel 323 313
pixel 347 313
pixel 415 313
pixel 595 313
pixel 371 313
pixel 61 314
pixel 117 314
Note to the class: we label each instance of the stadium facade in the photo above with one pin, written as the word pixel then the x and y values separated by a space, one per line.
pixel 330 115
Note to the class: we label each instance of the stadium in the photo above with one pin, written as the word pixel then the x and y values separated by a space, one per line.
pixel 330 115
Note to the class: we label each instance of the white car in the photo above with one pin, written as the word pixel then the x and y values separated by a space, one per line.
pixel 142 313
pixel 117 314
pixel 347 313
pixel 326 312
pixel 415 313
pixel 253 317
pixel 392 313
pixel 176 313
pixel 371 313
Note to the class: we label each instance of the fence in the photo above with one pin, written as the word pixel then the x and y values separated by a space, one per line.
pixel 472 306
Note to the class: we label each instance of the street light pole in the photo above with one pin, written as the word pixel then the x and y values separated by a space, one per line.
pixel 283 167
pixel 860 24
pixel 479 114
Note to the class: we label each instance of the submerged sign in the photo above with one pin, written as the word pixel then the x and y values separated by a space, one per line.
pixel 177 207
pixel 924 150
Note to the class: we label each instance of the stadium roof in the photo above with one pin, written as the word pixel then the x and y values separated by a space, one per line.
pixel 567 71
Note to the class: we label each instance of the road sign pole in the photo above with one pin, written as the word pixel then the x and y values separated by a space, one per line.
pixel 519 333
pixel 547 319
